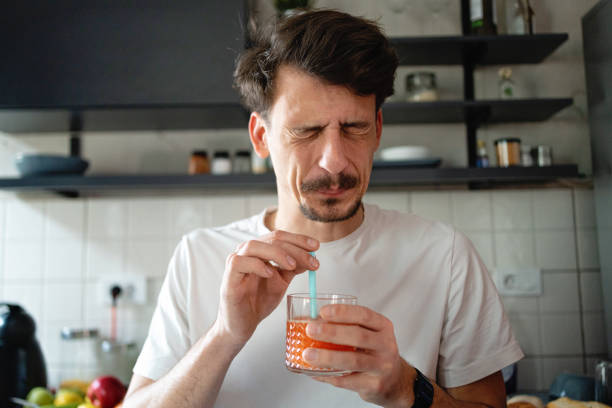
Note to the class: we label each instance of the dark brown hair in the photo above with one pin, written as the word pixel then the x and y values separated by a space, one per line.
pixel 333 46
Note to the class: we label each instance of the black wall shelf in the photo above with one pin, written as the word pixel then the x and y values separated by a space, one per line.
pixel 381 177
pixel 481 50
pixel 483 111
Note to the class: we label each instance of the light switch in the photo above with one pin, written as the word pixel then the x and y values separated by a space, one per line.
pixel 518 281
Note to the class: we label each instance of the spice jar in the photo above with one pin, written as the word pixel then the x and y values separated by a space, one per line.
pixel 544 155
pixel 198 163
pixel 421 87
pixel 526 156
pixel 221 163
pixel 508 152
pixel 242 162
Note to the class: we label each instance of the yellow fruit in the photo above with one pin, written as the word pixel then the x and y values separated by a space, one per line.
pixel 76 385
pixel 87 405
pixel 66 396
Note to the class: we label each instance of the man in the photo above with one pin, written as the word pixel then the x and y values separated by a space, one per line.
pixel 427 305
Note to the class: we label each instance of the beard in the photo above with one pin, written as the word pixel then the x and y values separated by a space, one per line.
pixel 330 212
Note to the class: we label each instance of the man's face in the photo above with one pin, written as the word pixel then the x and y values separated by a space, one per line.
pixel 322 140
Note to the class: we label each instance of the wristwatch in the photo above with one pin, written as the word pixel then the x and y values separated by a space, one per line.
pixel 423 391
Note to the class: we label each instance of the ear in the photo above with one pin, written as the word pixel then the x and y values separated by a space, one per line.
pixel 258 135
pixel 379 123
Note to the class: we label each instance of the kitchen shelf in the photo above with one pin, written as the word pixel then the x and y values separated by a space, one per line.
pixel 482 111
pixel 124 118
pixel 381 177
pixel 481 50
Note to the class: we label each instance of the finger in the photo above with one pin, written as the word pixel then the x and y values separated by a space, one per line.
pixel 239 265
pixel 354 314
pixel 348 335
pixel 268 252
pixel 364 384
pixel 304 259
pixel 303 241
pixel 341 360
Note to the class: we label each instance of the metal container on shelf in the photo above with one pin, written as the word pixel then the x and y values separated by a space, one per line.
pixel 78 354
pixel 508 152
pixel 117 358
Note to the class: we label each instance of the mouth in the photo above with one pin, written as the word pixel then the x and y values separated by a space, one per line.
pixel 332 192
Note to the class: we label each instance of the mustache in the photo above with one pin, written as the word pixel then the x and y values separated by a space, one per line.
pixel 344 182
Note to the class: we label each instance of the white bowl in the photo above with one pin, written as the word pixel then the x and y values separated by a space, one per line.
pixel 398 153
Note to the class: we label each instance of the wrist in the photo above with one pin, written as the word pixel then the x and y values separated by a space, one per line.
pixel 223 338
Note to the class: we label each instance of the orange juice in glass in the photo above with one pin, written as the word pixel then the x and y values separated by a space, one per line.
pixel 300 308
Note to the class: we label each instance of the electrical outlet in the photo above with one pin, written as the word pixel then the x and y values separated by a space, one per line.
pixel 133 289
pixel 518 281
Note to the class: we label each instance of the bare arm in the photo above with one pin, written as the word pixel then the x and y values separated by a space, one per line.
pixel 251 289
pixel 194 382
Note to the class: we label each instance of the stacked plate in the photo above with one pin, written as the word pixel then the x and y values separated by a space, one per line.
pixel 407 156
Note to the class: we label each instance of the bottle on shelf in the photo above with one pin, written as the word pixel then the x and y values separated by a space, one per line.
pixel 482 158
pixel 519 17
pixel 221 163
pixel 483 17
pixel 198 163
pixel 507 88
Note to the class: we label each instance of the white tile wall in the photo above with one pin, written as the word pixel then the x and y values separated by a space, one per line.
pixel 555 249
pixel 63 301
pixel 106 218
pixel 560 334
pixel 226 209
pixel 28 295
pixel 103 257
pixel 187 214
pixel 594 333
pixel 148 218
pixel 63 259
pixel 526 331
pixel 553 209
pixel 559 293
pixel 591 286
pixel 24 219
pixel 514 249
pixel 23 260
pixel 512 210
pixel 256 203
pixel 585 208
pixel 149 258
pixel 64 219
pixel 389 201
pixel 472 210
pixel 588 251
pixel 434 206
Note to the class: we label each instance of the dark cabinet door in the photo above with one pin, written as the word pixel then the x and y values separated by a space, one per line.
pixel 96 53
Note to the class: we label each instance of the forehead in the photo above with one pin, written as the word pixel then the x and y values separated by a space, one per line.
pixel 299 95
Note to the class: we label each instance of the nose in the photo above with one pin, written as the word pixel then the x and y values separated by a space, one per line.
pixel 333 157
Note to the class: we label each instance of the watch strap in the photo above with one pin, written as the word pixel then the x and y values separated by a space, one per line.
pixel 423 391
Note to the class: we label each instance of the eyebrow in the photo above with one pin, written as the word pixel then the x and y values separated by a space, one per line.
pixel 358 124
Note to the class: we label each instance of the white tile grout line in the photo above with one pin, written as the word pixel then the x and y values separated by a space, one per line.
pixel 84 235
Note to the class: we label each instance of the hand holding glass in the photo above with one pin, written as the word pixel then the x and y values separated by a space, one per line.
pixel 298 316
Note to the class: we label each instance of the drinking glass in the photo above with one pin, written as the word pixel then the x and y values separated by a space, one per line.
pixel 300 309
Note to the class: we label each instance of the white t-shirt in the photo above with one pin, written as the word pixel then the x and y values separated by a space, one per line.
pixel 424 276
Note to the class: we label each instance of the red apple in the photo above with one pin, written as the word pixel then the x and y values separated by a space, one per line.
pixel 106 392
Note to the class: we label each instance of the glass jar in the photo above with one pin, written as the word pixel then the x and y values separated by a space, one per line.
pixel 421 87
pixel 507 90
pixel 544 155
pixel 221 163
pixel 199 164
pixel 242 162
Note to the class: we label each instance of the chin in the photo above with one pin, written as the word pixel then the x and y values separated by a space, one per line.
pixel 330 210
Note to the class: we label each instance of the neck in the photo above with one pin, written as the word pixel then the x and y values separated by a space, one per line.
pixel 294 221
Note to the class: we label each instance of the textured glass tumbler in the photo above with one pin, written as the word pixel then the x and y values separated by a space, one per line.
pixel 300 307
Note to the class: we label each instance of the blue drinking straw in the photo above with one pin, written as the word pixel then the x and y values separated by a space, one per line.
pixel 312 282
